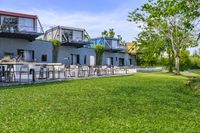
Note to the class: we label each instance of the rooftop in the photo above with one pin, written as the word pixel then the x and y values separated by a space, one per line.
pixel 107 38
pixel 14 14
pixel 65 27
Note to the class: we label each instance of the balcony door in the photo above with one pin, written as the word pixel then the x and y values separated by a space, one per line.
pixel 75 59
pixel 121 62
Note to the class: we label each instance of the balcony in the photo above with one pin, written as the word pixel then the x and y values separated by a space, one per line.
pixel 77 44
pixel 20 31
pixel 121 49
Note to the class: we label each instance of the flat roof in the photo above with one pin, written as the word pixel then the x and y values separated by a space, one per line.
pixel 72 28
pixel 64 28
pixel 107 38
pixel 14 14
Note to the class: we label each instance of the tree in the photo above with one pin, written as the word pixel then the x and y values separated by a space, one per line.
pixel 174 20
pixel 56 44
pixel 195 53
pixel 185 62
pixel 111 33
pixel 120 39
pixel 99 49
pixel 108 33
pixel 105 34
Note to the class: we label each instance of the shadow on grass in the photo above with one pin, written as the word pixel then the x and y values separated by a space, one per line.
pixel 32 85
pixel 43 84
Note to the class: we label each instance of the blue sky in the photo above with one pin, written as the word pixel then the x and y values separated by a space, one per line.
pixel 93 15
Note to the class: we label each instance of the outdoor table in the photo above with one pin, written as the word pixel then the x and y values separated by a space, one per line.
pixel 49 64
pixel 9 66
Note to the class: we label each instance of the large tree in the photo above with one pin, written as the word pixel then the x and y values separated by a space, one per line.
pixel 175 21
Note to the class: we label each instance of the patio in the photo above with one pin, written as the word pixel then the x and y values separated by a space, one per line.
pixel 25 73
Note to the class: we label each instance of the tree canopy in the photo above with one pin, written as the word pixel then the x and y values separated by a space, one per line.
pixel 168 26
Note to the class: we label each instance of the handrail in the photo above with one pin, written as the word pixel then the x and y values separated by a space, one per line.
pixel 17 28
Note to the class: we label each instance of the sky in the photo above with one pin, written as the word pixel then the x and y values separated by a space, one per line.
pixel 93 15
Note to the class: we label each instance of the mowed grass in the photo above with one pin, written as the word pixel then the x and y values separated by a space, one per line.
pixel 196 71
pixel 144 102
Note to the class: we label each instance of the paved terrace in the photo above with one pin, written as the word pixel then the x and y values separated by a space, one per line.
pixel 12 73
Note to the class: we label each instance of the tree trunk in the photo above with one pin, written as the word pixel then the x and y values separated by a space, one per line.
pixel 177 64
pixel 171 62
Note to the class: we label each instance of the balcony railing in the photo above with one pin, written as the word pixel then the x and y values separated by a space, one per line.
pixel 15 28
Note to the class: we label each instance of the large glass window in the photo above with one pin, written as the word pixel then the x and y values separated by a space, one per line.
pixel 9 24
pixel 68 36
pixel 26 24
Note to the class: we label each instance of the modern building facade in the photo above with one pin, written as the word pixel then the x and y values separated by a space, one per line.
pixel 18 33
pixel 115 53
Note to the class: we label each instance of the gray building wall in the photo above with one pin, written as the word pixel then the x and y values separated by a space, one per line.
pixel 65 52
pixel 116 56
pixel 9 45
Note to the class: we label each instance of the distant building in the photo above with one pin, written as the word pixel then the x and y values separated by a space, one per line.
pixel 132 47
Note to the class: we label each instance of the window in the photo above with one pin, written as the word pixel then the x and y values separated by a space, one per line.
pixel 27 55
pixel 121 61
pixel 9 24
pixel 44 58
pixel 111 61
pixel 26 24
pixel 131 61
pixel 78 59
pixel 85 59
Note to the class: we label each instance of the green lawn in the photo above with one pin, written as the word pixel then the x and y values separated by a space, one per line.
pixel 144 102
pixel 196 71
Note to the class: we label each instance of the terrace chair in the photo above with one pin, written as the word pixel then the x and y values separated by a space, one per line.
pixel 116 69
pixel 109 70
pixel 104 70
pixel 83 71
pixel 10 73
pixel 1 73
pixel 91 71
pixel 24 70
pixel 61 70
pixel 43 72
pixel 50 71
pixel 74 70
pixel 66 71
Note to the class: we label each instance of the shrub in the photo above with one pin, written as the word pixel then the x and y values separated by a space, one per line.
pixel 185 62
pixel 99 49
pixel 195 62
pixel 56 44
pixel 194 83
